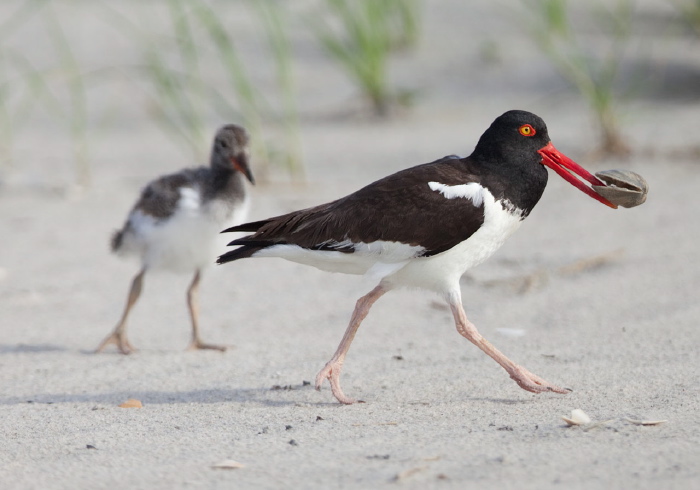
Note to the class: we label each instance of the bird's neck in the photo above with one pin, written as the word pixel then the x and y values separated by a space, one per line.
pixel 520 182
pixel 226 181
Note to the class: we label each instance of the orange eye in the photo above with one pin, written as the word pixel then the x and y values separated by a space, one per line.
pixel 527 130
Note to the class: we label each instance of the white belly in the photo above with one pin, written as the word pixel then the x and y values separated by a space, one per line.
pixel 442 272
pixel 399 265
pixel 189 239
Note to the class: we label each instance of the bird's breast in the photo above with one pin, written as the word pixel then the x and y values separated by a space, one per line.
pixel 442 271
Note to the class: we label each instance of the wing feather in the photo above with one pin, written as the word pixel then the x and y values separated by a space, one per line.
pixel 399 208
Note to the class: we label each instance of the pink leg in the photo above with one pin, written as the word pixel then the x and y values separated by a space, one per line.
pixel 193 306
pixel 332 369
pixel 118 335
pixel 525 379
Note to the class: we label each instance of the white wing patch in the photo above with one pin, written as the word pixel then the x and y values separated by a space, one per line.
pixel 189 199
pixel 472 191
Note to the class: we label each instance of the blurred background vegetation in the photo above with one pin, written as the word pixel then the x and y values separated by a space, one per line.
pixel 187 67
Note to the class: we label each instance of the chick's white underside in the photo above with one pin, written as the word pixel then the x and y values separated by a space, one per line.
pixel 188 239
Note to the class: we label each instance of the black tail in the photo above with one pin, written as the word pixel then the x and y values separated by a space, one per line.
pixel 239 253
pixel 249 246
pixel 259 240
pixel 253 226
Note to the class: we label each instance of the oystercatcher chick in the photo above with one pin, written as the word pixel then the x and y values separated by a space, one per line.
pixel 424 227
pixel 175 224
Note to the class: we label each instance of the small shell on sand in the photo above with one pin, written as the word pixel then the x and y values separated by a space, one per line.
pixel 228 464
pixel 132 403
pixel 578 417
pixel 623 187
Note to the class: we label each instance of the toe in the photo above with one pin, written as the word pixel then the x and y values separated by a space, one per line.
pixel 322 375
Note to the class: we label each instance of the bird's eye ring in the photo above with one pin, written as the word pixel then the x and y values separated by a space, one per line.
pixel 527 130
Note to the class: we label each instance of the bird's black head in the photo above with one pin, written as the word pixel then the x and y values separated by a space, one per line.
pixel 515 137
pixel 230 150
pixel 517 143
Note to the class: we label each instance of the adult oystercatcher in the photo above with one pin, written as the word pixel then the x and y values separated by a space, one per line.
pixel 175 224
pixel 424 227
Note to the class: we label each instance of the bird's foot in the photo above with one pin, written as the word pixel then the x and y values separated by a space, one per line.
pixel 331 372
pixel 533 383
pixel 119 339
pixel 199 345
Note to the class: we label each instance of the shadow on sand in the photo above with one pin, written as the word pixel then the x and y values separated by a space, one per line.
pixel 260 396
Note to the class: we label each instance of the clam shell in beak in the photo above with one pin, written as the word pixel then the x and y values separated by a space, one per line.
pixel 623 187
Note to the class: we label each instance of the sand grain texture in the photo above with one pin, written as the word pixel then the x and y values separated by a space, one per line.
pixel 623 333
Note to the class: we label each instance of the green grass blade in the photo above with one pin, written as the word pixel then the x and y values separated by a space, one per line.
pixel 77 111
pixel 247 95
pixel 271 16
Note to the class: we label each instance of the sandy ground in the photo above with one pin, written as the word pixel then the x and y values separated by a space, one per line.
pixel 604 302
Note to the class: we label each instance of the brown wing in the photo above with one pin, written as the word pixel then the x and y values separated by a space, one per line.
pixel 160 197
pixel 398 208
